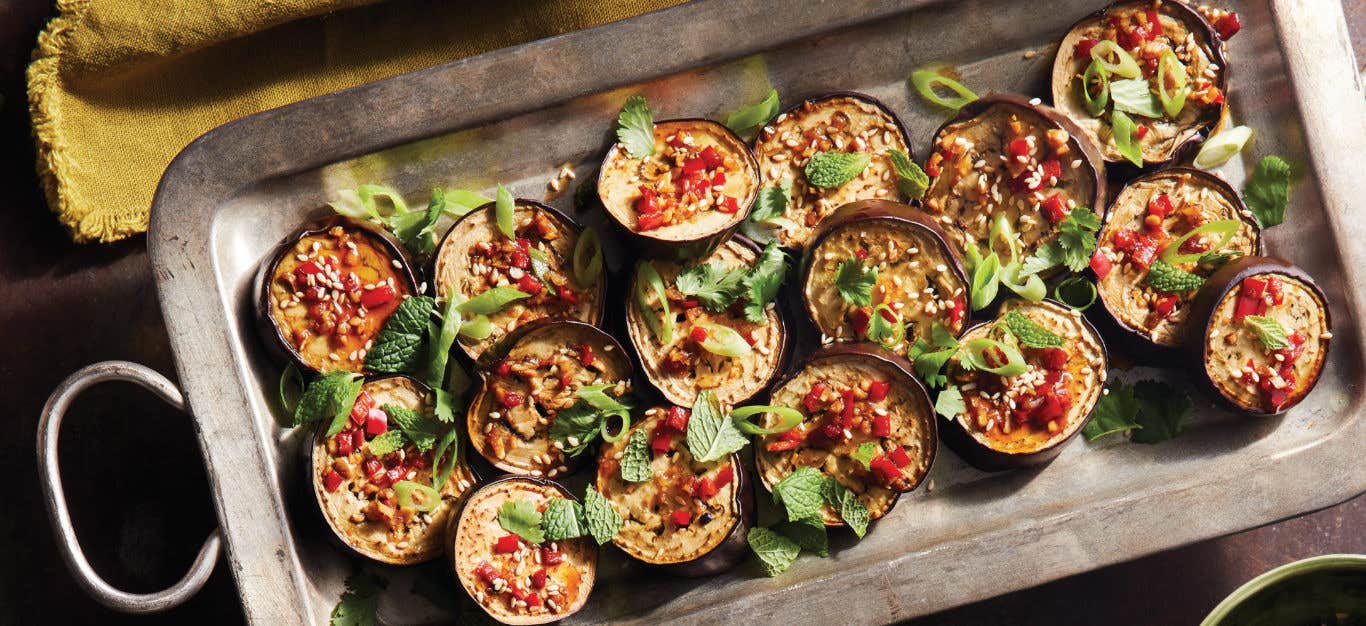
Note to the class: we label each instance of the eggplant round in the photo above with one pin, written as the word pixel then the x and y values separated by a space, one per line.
pixel 380 524
pixel 326 291
pixel 474 256
pixel 1053 399
pixel 1234 361
pixel 716 498
pixel 1183 198
pixel 1003 154
pixel 682 368
pixel 920 277
pixel 839 122
pixel 828 441
pixel 524 389
pixel 687 216
pixel 494 580
pixel 1196 45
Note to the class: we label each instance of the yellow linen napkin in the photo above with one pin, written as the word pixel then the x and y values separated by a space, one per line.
pixel 118 87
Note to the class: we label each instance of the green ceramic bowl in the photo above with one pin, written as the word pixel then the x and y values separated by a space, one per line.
pixel 1324 590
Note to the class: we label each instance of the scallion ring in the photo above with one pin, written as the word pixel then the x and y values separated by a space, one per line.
pixel 416 496
pixel 291 388
pixel 1123 129
pixel 986 280
pixel 1124 64
pixel 1030 287
pixel 1221 147
pixel 1170 67
pixel 1171 255
pixel 1095 72
pixel 587 258
pixel 788 418
pixel 724 341
pixel 1002 230
pixel 990 355
pixel 926 82
pixel 476 328
pixel 1076 292
pixel 603 428
pixel 662 326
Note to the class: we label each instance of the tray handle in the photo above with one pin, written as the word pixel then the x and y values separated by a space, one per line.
pixel 49 426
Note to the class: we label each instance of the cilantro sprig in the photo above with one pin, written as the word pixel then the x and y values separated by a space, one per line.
pixel 1267 190
pixel 522 518
pixel 855 280
pixel 714 285
pixel 636 128
pixel 1072 248
pixel 358 603
pixel 1151 411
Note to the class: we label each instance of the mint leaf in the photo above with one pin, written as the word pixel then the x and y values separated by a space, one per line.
pixel 1116 411
pixel 711 435
pixel 1163 414
pixel 776 553
pixel 852 510
pixel 910 179
pixel 1267 190
pixel 391 441
pixel 714 285
pixel 398 348
pixel 809 533
pixel 491 301
pixel 864 454
pixel 1170 279
pixel 603 521
pixel 763 281
pixel 801 493
pixel 522 518
pixel 329 397
pixel 750 118
pixel 418 429
pixel 830 170
pixel 855 282
pixel 950 403
pixel 1030 332
pixel 359 602
pixel 1269 330
pixel 577 427
pixel 635 460
pixel 564 519
pixel 636 128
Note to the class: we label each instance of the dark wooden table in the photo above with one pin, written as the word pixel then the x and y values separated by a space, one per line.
pixel 133 474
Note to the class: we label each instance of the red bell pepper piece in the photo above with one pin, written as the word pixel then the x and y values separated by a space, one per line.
pixel 343 443
pixel 486 572
pixel 729 204
pixel 882 425
pixel 698 334
pixel 1052 168
pixel 1154 25
pixel 361 408
pixel 693 166
pixel 877 390
pixel 812 401
pixel 649 221
pixel 509 399
pixel 885 469
pixel 586 354
pixel 376 422
pixel 1165 305
pixel 332 480
pixel 503 369
pixel 378 296
pixel 847 414
pixel 858 318
pixel 678 419
pixel 899 457
pixel 712 158
pixel 1055 358
pixel 551 557
pixel 1017 148
pixel 538 579
pixel 1228 26
pixel 529 285
pixel 682 517
pixel 1160 206
pixel 568 295
pixel 661 441
pixel 723 477
pixel 507 544
pixel 861 254
pixel 1054 208
pixel 1084 47
pixel 1100 264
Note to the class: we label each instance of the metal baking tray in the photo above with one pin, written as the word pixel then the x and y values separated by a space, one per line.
pixel 516 115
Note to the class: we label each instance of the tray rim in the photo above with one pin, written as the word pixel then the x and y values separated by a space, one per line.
pixel 261 551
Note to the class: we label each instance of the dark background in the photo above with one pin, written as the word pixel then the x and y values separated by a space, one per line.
pixel 136 485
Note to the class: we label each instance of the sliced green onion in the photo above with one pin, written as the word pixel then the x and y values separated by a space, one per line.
pixel 788 418
pixel 291 388
pixel 647 277
pixel 1095 72
pixel 723 340
pixel 1124 64
pixel 603 428
pixel 491 301
pixel 476 328
pixel 596 397
pixel 503 208
pixel 1221 147
pixel 986 280
pixel 1168 66
pixel 1171 255
pixel 1123 130
pixel 975 352
pixel 587 258
pixel 895 331
pixel 540 268
pixel 1030 287
pixel 427 498
pixel 1076 292
pixel 750 117
pixel 1002 230
pixel 926 82
pixel 462 201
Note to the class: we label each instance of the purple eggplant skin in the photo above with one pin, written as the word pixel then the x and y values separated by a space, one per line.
pixel 599 288
pixel 1228 278
pixel 1135 341
pixel 276 344
pixel 865 210
pixel 704 243
pixel 499 351
pixel 975 453
pixel 901 367
pixel 784 330
pixel 1196 23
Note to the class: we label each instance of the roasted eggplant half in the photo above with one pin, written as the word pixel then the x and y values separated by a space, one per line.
pixel 325 292
pixel 851 123
pixel 1180 218
pixel 1029 380
pixel 1260 329
pixel 533 375
pixel 706 342
pixel 687 516
pixel 1006 156
pixel 917 278
pixel 856 400
pixel 688 196
pixel 476 256
pixel 1158 63
pixel 380 500
pixel 513 580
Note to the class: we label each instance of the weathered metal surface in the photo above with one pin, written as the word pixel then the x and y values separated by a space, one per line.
pixel 516 115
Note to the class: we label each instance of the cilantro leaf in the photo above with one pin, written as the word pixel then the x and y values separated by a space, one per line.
pixel 930 356
pixel 762 282
pixel 776 553
pixel 1164 411
pixel 390 441
pixel 602 520
pixel 398 348
pixel 636 128
pixel 1267 190
pixel 1031 333
pixel 911 180
pixel 711 435
pixel 522 518
pixel 831 170
pixel 564 519
pixel 771 202
pixel 852 510
pixel 418 429
pixel 801 493
pixel 577 427
pixel 1116 411
pixel 747 119
pixel 855 282
pixel 329 397
pixel 809 533
pixel 713 284
pixel 635 460
pixel 1269 330
pixel 1171 279
pixel 359 602
pixel 864 454
pixel 950 403
pixel 1072 248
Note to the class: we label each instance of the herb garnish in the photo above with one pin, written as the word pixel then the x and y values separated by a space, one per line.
pixel 1267 190
pixel 564 519
pixel 636 128
pixel 1269 330
pixel 329 397
pixel 712 435
pixel 635 459
pixel 831 170
pixel 522 518
pixel 602 520
pixel 1152 411
pixel 746 120
pixel 950 403
pixel 776 553
pixel 763 280
pixel 1073 247
pixel 580 425
pixel 1030 332
pixel 855 281
pixel 801 493
pixel 714 285
pixel 1172 279
pixel 850 509
pixel 359 602
pixel 864 454
pixel 910 179
pixel 398 348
